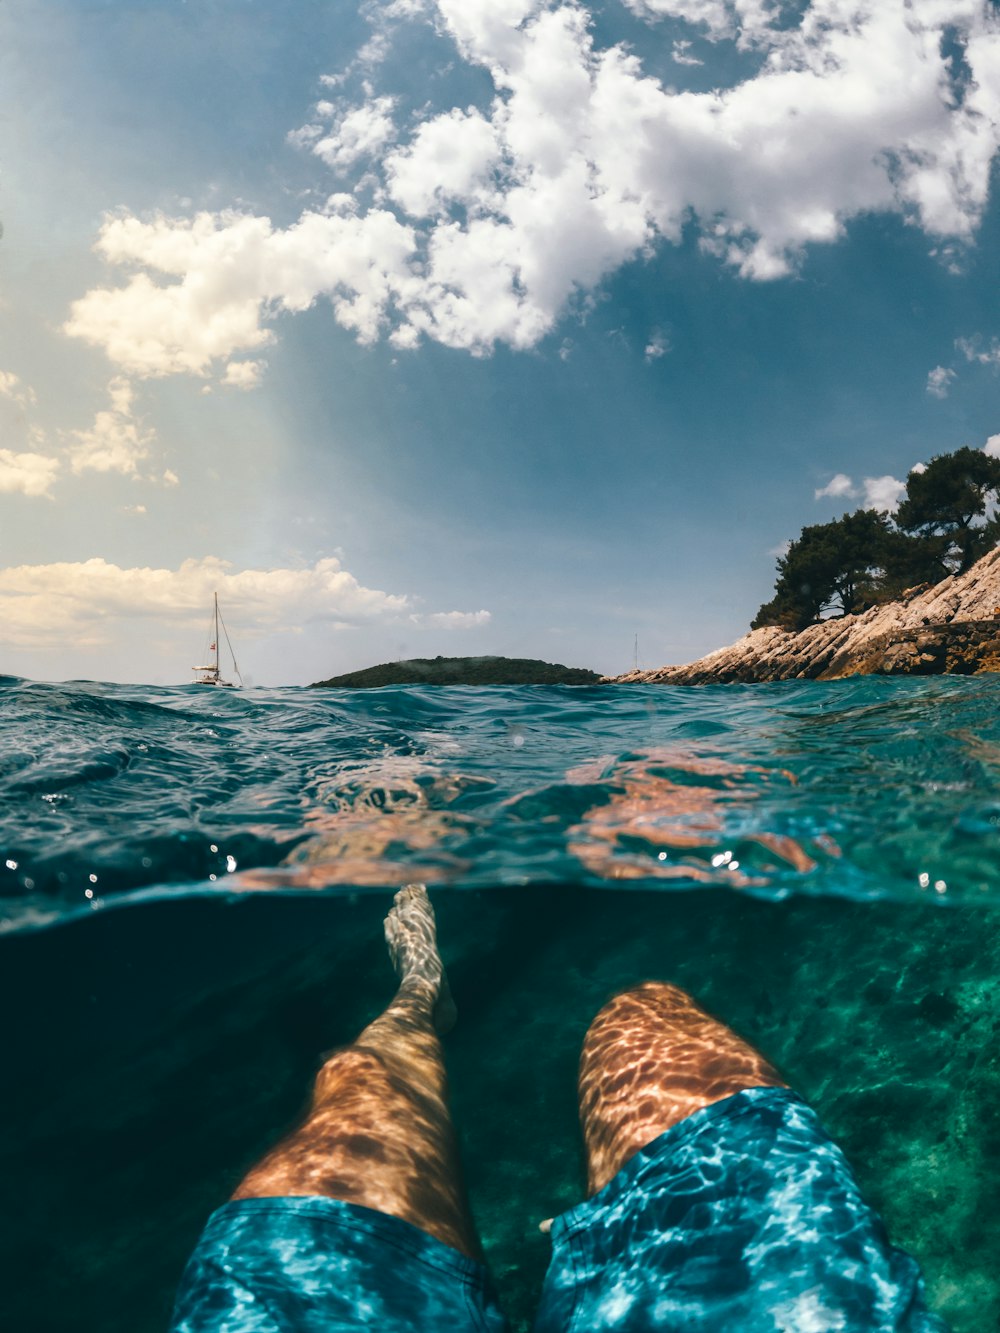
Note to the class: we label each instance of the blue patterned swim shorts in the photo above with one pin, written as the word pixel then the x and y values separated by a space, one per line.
pixel 744 1218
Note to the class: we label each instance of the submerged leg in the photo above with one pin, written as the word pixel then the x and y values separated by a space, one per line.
pixel 378 1132
pixel 650 1058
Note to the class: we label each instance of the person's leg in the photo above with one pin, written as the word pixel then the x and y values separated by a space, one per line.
pixel 378 1132
pixel 716 1201
pixel 650 1058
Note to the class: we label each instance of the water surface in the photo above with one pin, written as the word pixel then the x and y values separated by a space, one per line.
pixel 191 909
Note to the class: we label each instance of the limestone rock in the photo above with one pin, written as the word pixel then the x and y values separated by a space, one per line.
pixel 952 627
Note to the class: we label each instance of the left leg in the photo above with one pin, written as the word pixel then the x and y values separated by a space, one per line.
pixel 378 1132
pixel 357 1220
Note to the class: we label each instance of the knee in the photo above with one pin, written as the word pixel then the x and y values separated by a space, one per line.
pixel 650 1000
pixel 349 1069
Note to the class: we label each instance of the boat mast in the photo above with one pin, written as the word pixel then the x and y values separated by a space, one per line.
pixel 216 644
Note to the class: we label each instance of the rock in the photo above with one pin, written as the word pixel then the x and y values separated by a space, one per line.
pixel 952 627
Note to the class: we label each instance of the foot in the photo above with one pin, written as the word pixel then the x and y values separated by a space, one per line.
pixel 411 935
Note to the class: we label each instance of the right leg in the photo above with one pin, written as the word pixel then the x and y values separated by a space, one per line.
pixel 651 1058
pixel 746 1216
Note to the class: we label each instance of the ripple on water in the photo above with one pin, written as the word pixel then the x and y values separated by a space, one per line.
pixel 866 788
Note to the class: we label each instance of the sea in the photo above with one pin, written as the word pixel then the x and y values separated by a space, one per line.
pixel 192 888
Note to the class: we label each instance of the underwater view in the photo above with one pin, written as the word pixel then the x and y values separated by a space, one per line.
pixel 192 904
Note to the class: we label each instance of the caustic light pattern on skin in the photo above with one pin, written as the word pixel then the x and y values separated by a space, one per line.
pixel 480 224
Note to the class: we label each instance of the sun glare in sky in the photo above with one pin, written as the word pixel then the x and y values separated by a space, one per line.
pixel 472 326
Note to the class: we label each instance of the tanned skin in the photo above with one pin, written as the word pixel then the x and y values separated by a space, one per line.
pixel 378 1132
pixel 651 1058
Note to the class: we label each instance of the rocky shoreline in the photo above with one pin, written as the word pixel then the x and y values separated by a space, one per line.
pixel 948 628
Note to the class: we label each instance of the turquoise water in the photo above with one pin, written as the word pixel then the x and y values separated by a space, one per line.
pixel 191 908
pixel 865 789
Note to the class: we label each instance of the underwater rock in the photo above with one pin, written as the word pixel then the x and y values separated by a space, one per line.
pixel 949 628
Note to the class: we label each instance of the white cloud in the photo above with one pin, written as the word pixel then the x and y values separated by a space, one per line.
pixel 46 605
pixel 992 446
pixel 457 619
pixel 720 18
pixel 577 162
pixel 839 485
pixel 15 390
pixel 939 381
pixel 117 441
pixel 26 473
pixel 450 157
pixel 244 374
pixel 658 345
pixel 883 493
pixel 973 350
pixel 356 132
pixel 681 54
pixel 231 270
pixel 22 471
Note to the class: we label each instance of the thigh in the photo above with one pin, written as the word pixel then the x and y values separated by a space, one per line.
pixel 745 1216
pixel 652 1057
pixel 315 1265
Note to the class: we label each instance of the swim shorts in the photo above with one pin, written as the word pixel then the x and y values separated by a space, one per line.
pixel 315 1265
pixel 744 1217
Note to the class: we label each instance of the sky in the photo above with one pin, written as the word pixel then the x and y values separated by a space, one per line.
pixel 455 327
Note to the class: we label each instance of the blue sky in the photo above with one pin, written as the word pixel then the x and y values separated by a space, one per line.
pixel 492 326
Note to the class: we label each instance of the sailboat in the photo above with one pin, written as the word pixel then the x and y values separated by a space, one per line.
pixel 211 674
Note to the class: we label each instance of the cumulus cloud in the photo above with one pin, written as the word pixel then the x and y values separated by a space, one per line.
pixel 15 390
pixel 681 54
pixel 27 473
pixel 485 223
pixel 22 471
pixel 992 446
pixel 974 350
pixel 230 270
pixel 939 381
pixel 883 493
pixel 244 374
pixel 353 133
pixel 838 485
pixel 44 605
pixel 658 345
pixel 117 441
pixel 456 619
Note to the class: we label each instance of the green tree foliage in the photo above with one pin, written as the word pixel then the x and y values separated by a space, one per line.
pixel 909 561
pixel 942 527
pixel 946 499
pixel 832 566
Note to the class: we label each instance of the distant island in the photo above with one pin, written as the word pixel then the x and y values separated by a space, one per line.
pixel 462 671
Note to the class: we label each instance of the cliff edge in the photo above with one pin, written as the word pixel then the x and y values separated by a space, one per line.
pixel 951 627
